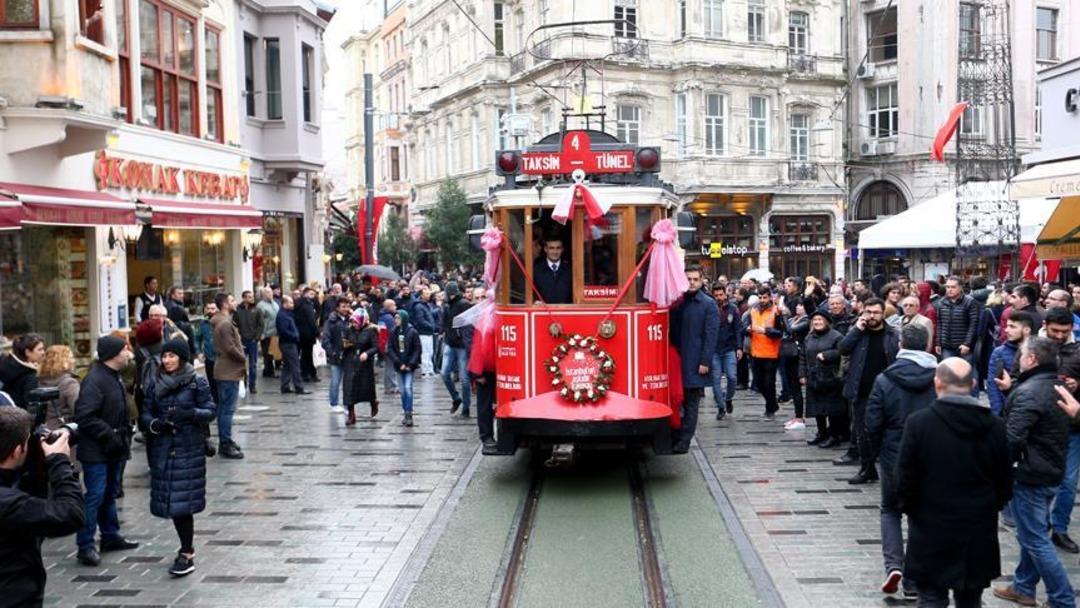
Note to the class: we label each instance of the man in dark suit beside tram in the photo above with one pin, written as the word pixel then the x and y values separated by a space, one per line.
pixel 695 323
pixel 551 274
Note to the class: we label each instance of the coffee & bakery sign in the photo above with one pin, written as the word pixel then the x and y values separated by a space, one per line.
pixel 154 178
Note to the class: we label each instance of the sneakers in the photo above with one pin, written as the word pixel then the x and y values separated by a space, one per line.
pixel 182 565
pixel 490 448
pixel 118 543
pixel 892 582
pixel 337 409
pixel 1010 594
pixel 911 595
pixel 795 424
pixel 1063 542
pixel 407 420
pixel 455 406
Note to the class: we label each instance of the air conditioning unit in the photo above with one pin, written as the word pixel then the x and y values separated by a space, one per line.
pixel 869 148
pixel 866 70
pixel 886 147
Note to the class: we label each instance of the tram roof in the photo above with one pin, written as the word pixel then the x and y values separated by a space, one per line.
pixel 549 196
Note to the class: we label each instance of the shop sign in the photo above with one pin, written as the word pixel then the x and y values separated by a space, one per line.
pixel 601 291
pixel 718 250
pixel 122 173
pixel 806 248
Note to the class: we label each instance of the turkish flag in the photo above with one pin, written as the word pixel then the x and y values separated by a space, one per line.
pixel 945 133
pixel 1033 270
pixel 361 225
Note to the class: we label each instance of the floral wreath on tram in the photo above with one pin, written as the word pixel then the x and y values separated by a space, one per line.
pixel 583 353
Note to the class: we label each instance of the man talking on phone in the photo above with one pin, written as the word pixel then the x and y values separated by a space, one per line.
pixel 25 519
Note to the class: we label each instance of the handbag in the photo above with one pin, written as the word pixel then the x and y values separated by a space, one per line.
pixel 318 355
pixel 275 348
pixel 788 349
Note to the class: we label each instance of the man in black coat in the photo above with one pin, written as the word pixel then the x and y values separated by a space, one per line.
pixel 29 514
pixel 1038 434
pixel 905 387
pixel 104 444
pixel 178 314
pixel 552 275
pixel 307 323
pixel 953 475
pixel 695 321
pixel 871 346
pixel 957 326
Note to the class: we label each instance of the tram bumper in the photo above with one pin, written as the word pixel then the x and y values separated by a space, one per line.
pixel 617 419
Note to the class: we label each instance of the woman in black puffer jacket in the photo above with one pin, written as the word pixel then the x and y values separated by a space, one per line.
pixel 178 405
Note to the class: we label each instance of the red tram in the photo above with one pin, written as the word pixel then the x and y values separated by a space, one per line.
pixel 588 362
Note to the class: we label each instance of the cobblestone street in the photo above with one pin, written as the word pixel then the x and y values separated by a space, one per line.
pixel 315 515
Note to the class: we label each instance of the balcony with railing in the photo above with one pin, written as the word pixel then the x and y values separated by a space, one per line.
pixel 802 171
pixel 630 48
pixel 801 63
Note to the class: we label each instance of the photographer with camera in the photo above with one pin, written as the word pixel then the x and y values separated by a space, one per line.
pixel 102 414
pixel 26 518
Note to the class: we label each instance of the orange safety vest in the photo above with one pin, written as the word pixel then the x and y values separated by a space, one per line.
pixel 763 346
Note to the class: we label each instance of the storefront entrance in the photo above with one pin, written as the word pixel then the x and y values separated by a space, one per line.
pixel 281 254
pixel 192 259
pixel 801 246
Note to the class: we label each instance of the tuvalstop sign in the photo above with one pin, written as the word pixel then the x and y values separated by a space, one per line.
pixel 577 153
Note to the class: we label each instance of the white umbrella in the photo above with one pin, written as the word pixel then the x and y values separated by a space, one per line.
pixel 758 274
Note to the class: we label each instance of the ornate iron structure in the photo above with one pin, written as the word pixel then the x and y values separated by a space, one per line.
pixel 987 221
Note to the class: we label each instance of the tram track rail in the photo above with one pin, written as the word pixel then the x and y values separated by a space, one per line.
pixel 655 590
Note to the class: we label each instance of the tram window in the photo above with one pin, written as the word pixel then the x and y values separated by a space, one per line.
pixel 602 248
pixel 515 229
pixel 554 281
pixel 643 223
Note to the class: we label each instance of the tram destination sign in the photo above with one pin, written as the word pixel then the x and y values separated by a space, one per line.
pixel 577 153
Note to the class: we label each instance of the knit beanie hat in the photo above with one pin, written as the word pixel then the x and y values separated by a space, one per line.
pixel 179 348
pixel 108 347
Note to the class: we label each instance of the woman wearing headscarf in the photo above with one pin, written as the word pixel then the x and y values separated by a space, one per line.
pixel 403 349
pixel 819 372
pixel 358 359
pixel 177 406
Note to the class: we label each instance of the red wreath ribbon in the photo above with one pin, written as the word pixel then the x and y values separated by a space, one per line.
pixel 579 195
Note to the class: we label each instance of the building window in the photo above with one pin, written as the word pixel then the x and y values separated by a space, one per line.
pixel 500 46
pixel 680 125
pixel 714 18
pixel 799 33
pixel 729 230
pixel 970 30
pixel 759 126
pixel 625 19
pixel 451 165
pixel 883 110
pixel 18 13
pixel 249 74
pixel 519 30
pixel 447 50
pixel 1038 112
pixel 715 117
pixel 421 64
pixel 883 40
pixel 500 129
pixel 628 123
pixel 168 81
pixel 1046 33
pixel 800 137
pixel 272 47
pixel 307 68
pixel 682 18
pixel 544 8
pixel 801 245
pixel 395 164
pixel 880 199
pixel 755 20
pixel 215 120
pixel 429 157
pixel 124 55
pixel 474 140
pixel 972 121
pixel 545 122
pixel 91 19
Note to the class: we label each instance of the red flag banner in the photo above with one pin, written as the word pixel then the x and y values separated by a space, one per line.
pixel 361 225
pixel 945 133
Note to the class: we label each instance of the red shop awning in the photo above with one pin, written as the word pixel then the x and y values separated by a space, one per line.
pixel 66 207
pixel 190 214
pixel 10 214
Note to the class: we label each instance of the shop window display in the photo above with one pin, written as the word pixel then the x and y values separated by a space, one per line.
pixel 193 259
pixel 44 287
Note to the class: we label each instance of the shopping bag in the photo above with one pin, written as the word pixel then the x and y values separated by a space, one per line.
pixel 242 393
pixel 275 348
pixel 318 355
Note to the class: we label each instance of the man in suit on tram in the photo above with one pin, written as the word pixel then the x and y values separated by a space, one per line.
pixel 551 274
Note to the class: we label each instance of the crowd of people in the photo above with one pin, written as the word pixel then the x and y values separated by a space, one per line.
pixel 895 374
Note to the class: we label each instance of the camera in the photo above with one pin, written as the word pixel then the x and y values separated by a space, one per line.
pixel 35 475
pixel 38 400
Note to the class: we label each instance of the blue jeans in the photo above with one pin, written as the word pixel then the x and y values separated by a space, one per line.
pixel 1066 492
pixel 251 351
pixel 405 383
pixel 337 372
pixel 102 479
pixel 228 394
pixel 1038 558
pixel 724 365
pixel 454 357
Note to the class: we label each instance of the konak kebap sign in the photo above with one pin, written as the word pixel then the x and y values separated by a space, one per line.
pixel 115 172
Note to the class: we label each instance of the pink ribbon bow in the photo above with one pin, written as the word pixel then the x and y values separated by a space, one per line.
pixel 490 242
pixel 666 280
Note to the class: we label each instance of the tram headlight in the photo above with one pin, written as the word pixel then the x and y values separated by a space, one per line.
pixel 647 160
pixel 508 163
